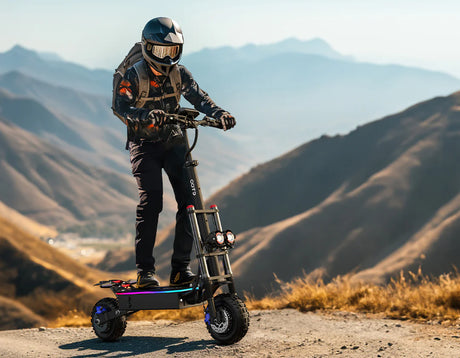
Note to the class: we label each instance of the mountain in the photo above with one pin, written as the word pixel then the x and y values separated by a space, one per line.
pixel 255 53
pixel 33 117
pixel 39 283
pixel 25 223
pixel 84 125
pixel 59 73
pixel 64 100
pixel 50 56
pixel 281 94
pixel 383 198
pixel 78 135
pixel 282 100
pixel 46 184
pixel 14 315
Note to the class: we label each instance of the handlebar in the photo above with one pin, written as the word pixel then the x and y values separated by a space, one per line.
pixel 186 118
pixel 189 122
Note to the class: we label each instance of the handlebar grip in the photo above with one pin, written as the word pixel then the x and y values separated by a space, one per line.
pixel 211 122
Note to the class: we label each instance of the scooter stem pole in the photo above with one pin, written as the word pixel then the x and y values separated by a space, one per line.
pixel 198 202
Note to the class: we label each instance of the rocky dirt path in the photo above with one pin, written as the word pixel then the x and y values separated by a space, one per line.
pixel 284 333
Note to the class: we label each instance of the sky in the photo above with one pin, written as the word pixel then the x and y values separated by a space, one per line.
pixel 98 34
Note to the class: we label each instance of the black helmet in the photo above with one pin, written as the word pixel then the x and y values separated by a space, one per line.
pixel 162 42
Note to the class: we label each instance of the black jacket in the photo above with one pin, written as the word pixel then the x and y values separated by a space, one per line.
pixel 127 94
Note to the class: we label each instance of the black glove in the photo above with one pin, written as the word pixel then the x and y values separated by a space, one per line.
pixel 228 121
pixel 154 117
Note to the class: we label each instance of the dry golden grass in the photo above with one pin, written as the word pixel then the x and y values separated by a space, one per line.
pixel 73 318
pixel 412 296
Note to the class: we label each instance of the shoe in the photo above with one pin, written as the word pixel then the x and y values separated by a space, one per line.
pixel 179 278
pixel 147 279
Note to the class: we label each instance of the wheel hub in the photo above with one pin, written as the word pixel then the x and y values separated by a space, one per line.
pixel 100 327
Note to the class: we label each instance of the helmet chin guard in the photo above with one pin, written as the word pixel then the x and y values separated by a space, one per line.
pixel 162 42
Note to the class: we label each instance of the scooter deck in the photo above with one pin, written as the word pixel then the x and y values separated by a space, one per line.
pixel 150 298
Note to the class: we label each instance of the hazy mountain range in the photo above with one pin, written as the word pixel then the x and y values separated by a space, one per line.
pixel 289 92
pixel 282 94
pixel 54 71
pixel 383 198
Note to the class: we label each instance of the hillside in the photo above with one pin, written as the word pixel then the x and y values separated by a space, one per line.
pixel 382 198
pixel 53 188
pixel 62 99
pixel 385 196
pixel 83 125
pixel 78 136
pixel 38 282
pixel 25 223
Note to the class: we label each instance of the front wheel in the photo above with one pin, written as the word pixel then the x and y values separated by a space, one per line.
pixel 232 319
pixel 108 331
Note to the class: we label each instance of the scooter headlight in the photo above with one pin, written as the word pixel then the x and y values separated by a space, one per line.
pixel 220 239
pixel 215 239
pixel 229 237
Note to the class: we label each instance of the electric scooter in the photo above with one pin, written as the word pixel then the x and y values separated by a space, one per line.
pixel 226 316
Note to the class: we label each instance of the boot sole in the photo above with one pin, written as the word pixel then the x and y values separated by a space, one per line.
pixel 181 283
pixel 147 285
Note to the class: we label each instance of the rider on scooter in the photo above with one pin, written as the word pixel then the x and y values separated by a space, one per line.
pixel 154 146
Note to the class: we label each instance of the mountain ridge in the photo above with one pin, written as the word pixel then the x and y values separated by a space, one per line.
pixel 302 86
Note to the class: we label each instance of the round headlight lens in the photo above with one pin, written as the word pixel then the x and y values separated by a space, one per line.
pixel 220 239
pixel 230 237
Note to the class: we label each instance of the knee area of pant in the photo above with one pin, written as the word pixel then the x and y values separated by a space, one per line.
pixel 151 202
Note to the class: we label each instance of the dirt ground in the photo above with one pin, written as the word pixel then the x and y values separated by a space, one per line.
pixel 284 333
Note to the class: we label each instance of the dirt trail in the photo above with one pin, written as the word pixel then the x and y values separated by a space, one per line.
pixel 284 333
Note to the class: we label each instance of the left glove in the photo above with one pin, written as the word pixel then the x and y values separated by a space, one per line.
pixel 228 121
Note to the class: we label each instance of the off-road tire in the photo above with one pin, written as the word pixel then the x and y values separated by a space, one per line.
pixel 112 330
pixel 235 324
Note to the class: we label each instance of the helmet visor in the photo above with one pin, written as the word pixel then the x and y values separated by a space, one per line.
pixel 164 51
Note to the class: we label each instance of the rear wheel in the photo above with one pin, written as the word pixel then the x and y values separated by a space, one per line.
pixel 232 321
pixel 108 331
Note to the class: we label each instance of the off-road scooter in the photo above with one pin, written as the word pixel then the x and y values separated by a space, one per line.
pixel 226 316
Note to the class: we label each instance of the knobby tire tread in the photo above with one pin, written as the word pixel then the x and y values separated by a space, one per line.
pixel 242 319
pixel 118 324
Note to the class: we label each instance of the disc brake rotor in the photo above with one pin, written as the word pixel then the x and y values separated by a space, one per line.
pixel 223 325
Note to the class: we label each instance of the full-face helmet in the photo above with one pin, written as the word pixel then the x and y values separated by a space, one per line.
pixel 162 43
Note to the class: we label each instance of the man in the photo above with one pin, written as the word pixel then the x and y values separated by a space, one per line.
pixel 154 146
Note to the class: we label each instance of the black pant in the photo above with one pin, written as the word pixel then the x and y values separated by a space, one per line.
pixel 148 159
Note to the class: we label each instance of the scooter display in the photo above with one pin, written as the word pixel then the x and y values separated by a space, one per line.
pixel 225 314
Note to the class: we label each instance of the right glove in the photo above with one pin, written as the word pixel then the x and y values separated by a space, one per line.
pixel 228 121
pixel 156 117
